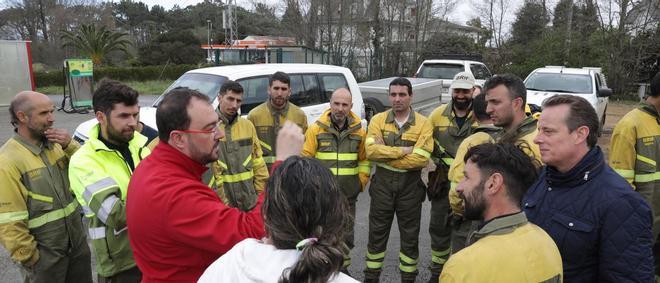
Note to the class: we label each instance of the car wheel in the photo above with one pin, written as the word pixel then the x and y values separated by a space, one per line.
pixel 371 108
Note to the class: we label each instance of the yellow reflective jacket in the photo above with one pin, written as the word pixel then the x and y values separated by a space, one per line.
pixel 446 133
pixel 268 121
pixel 37 208
pixel 341 152
pixel 240 172
pixel 99 177
pixel 508 249
pixel 416 132
pixel 483 134
pixel 635 147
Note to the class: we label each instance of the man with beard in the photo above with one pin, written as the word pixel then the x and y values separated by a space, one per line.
pixel 99 175
pixel 484 133
pixel 178 225
pixel 240 173
pixel 603 228
pixel 506 248
pixel 40 225
pixel 507 98
pixel 399 142
pixel 337 141
pixel 452 123
pixel 268 117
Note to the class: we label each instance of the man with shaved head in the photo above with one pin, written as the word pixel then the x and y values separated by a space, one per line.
pixel 40 224
pixel 337 140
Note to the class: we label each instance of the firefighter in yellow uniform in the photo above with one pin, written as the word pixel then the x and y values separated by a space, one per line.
pixel 452 123
pixel 635 151
pixel 506 98
pixel 240 173
pixel 269 117
pixel 40 224
pixel 484 133
pixel 337 141
pixel 399 142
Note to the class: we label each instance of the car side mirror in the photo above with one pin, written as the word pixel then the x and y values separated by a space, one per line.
pixel 604 92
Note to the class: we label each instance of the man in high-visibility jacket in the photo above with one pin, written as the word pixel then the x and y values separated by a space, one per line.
pixel 635 152
pixel 507 98
pixel 337 141
pixel 240 173
pixel 269 117
pixel 452 123
pixel 40 225
pixel 99 173
pixel 399 142
pixel 484 133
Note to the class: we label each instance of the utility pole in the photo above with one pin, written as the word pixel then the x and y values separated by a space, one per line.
pixel 209 25
pixel 229 22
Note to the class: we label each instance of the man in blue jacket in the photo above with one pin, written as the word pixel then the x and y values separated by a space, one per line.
pixel 601 226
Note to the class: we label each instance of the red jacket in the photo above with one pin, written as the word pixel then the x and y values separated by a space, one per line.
pixel 178 225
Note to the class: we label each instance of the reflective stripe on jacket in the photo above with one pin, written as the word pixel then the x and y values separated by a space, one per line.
pixel 268 121
pixel 416 133
pixel 447 136
pixel 341 152
pixel 37 209
pixel 99 178
pixel 240 172
pixel 635 147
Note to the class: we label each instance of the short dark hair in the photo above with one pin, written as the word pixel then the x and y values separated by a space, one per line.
pixel 172 112
pixel 655 85
pixel 232 86
pixel 111 92
pixel 279 76
pixel 479 107
pixel 516 167
pixel 513 84
pixel 402 82
pixel 580 113
pixel 304 201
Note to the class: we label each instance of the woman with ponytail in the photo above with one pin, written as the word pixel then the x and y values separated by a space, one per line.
pixel 304 213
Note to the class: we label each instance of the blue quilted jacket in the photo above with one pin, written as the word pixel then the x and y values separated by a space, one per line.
pixel 602 227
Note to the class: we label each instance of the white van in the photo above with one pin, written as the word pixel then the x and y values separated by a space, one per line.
pixel 311 87
pixel 587 82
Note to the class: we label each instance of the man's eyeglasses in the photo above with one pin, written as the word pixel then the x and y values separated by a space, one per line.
pixel 213 130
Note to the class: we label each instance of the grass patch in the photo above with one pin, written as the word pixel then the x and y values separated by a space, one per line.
pixel 146 88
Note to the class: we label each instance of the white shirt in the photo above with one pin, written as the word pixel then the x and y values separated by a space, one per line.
pixel 252 260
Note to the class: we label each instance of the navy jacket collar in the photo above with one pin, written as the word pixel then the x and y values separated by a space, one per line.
pixel 589 167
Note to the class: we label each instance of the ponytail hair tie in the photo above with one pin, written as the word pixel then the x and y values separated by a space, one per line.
pixel 305 242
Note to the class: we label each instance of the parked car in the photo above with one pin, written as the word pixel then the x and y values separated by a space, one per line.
pixel 311 88
pixel 446 69
pixel 426 95
pixel 587 82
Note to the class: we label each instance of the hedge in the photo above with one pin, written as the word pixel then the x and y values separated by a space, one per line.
pixel 147 73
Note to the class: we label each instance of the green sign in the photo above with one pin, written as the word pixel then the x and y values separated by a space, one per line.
pixel 80 67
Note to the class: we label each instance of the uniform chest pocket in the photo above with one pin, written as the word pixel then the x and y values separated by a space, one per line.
pixel 574 237
pixel 39 202
pixel 409 139
pixel 326 142
pixel 354 143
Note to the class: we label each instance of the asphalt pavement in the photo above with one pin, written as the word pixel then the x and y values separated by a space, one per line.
pixel 9 272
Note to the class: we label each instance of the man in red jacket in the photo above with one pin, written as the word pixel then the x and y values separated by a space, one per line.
pixel 177 225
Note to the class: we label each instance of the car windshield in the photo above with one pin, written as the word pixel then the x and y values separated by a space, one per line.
pixel 555 82
pixel 208 85
pixel 440 71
